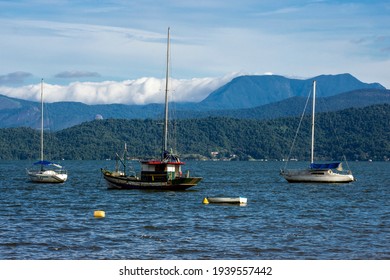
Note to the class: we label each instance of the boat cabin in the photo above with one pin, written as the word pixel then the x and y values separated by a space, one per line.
pixel 160 171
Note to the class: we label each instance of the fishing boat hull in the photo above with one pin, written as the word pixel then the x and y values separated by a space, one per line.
pixel 119 181
pixel 316 176
pixel 47 176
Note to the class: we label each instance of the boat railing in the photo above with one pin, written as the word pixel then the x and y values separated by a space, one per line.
pixel 61 171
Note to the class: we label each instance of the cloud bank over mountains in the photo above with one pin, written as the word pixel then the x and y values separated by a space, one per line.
pixel 137 92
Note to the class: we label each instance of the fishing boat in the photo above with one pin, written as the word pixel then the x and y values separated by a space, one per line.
pixel 44 171
pixel 318 172
pixel 225 200
pixel 160 174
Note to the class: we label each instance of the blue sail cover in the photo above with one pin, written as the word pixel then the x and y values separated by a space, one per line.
pixel 47 163
pixel 332 165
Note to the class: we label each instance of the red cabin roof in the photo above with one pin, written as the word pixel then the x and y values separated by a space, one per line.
pixel 158 162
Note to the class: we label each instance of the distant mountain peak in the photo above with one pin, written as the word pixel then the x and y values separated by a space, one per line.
pixel 252 91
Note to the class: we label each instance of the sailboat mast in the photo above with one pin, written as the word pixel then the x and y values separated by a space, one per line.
pixel 312 122
pixel 165 143
pixel 42 120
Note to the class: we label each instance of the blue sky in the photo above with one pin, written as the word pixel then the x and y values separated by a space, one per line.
pixel 114 51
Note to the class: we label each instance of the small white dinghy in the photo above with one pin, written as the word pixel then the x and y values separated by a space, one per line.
pixel 228 200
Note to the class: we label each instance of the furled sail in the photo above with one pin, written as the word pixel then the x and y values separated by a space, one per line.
pixel 332 165
pixel 47 163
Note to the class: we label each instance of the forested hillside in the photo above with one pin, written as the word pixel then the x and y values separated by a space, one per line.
pixel 360 134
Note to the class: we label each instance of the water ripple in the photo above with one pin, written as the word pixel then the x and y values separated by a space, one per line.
pixel 280 221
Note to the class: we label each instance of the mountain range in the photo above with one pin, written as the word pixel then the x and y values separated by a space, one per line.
pixel 252 97
pixel 252 91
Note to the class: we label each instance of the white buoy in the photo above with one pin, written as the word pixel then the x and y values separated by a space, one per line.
pixel 230 200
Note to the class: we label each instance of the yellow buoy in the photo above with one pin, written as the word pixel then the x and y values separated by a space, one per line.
pixel 99 214
pixel 205 201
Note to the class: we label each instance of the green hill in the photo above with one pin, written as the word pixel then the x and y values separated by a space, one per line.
pixel 362 133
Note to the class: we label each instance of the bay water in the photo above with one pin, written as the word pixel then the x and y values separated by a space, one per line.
pixel 280 221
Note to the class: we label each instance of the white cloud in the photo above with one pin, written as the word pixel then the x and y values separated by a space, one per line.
pixel 139 91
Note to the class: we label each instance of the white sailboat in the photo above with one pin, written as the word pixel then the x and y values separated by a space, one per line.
pixel 317 172
pixel 44 171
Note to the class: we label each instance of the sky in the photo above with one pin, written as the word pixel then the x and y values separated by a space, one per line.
pixel 114 51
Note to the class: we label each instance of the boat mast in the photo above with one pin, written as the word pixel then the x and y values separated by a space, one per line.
pixel 42 120
pixel 312 122
pixel 165 143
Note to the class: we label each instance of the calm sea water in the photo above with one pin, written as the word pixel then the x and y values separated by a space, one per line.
pixel 280 221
